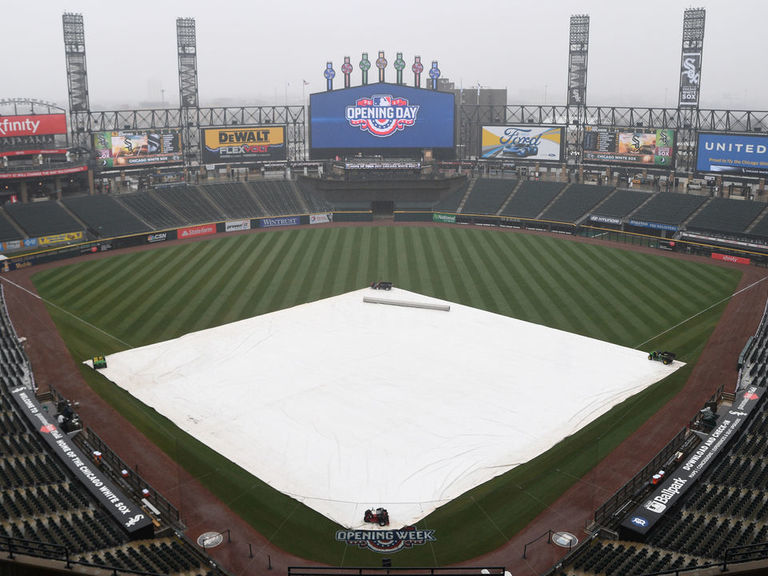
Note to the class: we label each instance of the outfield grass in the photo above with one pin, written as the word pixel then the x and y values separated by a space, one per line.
pixel 616 295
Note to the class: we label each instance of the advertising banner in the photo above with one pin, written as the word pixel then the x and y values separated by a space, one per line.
pixel 732 153
pixel 237 225
pixel 32 125
pixel 523 142
pixel 242 143
pixel 59 238
pixel 729 258
pixel 157 237
pixel 729 241
pixel 444 218
pixel 282 221
pixel 645 148
pixel 122 509
pixel 604 219
pixel 653 225
pixel 690 76
pixel 126 148
pixel 381 116
pixel 320 218
pixel 730 419
pixel 32 152
pixel 195 231
pixel 41 173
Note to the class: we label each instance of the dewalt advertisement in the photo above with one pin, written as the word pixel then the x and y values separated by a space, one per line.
pixel 243 143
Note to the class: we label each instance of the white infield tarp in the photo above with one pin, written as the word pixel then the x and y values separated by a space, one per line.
pixel 346 405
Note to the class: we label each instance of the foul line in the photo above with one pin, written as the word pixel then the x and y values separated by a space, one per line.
pixel 755 283
pixel 67 312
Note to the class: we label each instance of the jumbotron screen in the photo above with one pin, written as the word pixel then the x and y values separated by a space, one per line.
pixel 381 116
pixel 128 148
pixel 642 147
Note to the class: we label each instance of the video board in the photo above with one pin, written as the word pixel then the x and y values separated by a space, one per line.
pixel 522 142
pixel 243 143
pixel 641 147
pixel 381 116
pixel 732 153
pixel 129 148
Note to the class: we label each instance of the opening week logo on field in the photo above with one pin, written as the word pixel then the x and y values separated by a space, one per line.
pixel 386 541
pixel 381 115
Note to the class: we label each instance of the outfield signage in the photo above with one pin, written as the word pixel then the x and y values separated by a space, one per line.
pixel 12 245
pixel 604 219
pixel 730 419
pixel 126 512
pixel 653 225
pixel 59 238
pixel 321 218
pixel 42 173
pixel 157 237
pixel 444 218
pixel 729 241
pixel 243 143
pixel 386 541
pixel 522 142
pixel 195 231
pixel 33 125
pixel 282 221
pixel 732 153
pixel 237 225
pixel 729 258
pixel 31 152
pixel 690 77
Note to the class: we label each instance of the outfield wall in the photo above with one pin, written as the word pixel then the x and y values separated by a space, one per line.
pixel 695 244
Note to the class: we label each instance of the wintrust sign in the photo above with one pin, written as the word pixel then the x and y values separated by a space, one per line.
pixel 33 125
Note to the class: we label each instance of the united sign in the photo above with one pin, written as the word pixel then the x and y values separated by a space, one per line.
pixel 381 115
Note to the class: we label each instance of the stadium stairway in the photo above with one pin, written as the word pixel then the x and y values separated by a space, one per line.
pixel 299 197
pixel 130 210
pixel 754 223
pixel 511 195
pixel 208 198
pixel 684 223
pixel 13 223
pixel 466 194
pixel 594 208
pixel 256 198
pixel 650 197
pixel 555 199
pixel 73 215
pixel 167 205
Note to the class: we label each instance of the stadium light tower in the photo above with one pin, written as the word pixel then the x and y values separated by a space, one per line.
pixel 77 78
pixel 186 42
pixel 578 52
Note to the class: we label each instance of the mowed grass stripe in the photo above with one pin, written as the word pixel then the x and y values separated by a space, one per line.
pixel 169 318
pixel 284 273
pixel 143 287
pixel 206 312
pixel 244 297
pixel 585 292
pixel 613 280
pixel 481 270
pixel 599 304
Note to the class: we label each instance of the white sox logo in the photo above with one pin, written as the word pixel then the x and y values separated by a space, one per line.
pixel 690 72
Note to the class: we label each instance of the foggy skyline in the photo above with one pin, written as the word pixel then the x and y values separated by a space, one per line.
pixel 262 53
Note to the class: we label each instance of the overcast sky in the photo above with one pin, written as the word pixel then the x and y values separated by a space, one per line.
pixel 257 52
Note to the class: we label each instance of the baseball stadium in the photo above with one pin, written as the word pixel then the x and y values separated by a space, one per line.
pixel 399 329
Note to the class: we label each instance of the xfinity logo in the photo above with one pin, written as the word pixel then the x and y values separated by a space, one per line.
pixel 27 125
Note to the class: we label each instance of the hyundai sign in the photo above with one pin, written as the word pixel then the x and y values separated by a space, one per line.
pixel 732 153
pixel 381 116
